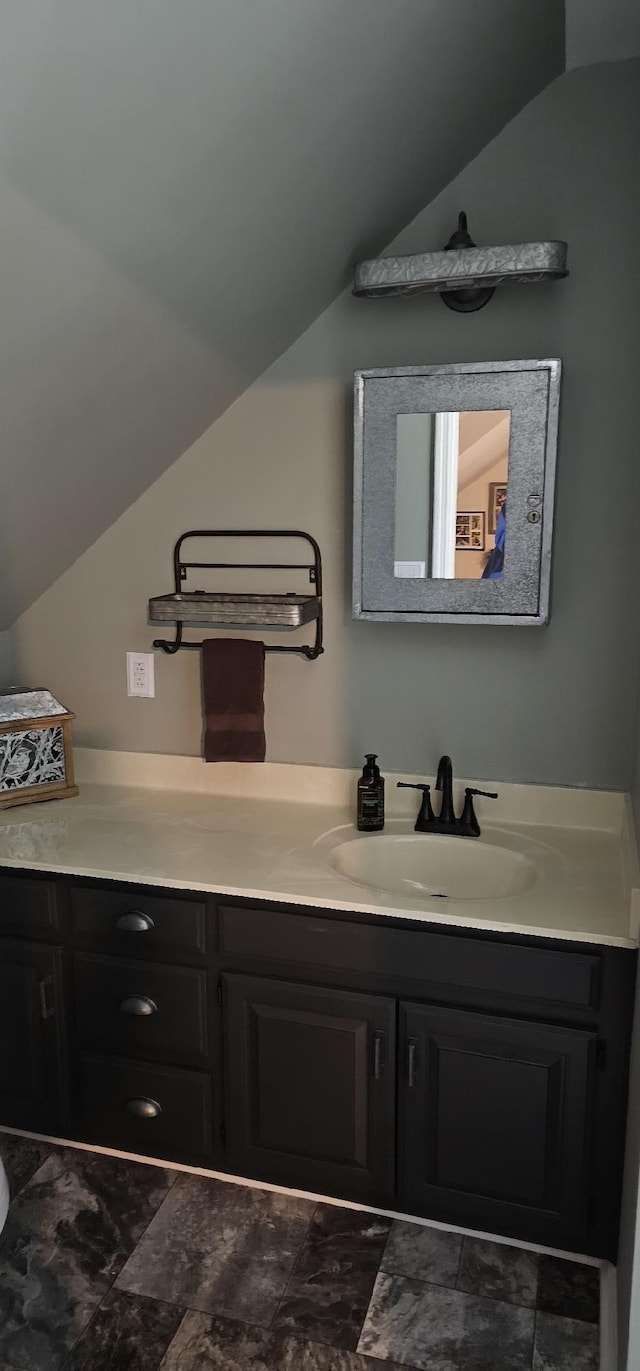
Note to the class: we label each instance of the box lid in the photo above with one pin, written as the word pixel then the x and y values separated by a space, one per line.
pixel 21 703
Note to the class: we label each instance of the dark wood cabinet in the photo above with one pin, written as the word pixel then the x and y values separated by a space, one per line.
pixel 495 1120
pixel 32 1074
pixel 472 1077
pixel 310 1086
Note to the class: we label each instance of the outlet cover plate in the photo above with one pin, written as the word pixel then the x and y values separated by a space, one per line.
pixel 141 675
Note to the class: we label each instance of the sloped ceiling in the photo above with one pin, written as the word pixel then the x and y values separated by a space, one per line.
pixel 182 189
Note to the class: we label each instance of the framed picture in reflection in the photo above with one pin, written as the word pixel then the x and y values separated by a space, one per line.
pixel 470 530
pixel 497 497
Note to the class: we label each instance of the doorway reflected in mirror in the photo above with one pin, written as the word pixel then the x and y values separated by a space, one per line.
pixel 483 471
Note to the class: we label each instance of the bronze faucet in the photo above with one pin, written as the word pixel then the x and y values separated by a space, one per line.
pixel 467 825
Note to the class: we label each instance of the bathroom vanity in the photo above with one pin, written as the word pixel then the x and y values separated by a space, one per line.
pixel 470 1074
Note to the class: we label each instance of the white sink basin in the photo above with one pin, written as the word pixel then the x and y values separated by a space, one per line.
pixel 429 865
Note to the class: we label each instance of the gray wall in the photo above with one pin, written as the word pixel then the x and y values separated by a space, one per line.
pixel 181 189
pixel 414 483
pixel 601 31
pixel 629 1251
pixel 552 705
pixel 6 659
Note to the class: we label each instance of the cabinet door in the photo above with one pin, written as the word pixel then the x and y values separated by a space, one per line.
pixel 494 1122
pixel 31 1036
pixel 310 1086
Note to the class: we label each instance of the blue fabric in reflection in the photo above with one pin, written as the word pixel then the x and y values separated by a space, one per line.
pixel 494 569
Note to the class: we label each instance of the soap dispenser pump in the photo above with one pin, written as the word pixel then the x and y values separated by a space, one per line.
pixel 371 796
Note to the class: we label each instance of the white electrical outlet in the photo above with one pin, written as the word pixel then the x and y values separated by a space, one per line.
pixel 140 674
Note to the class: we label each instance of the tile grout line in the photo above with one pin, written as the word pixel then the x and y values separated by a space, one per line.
pixel 473 1294
pixel 455 1287
pixel 300 1333
pixel 535 1334
pixel 171 1188
pixel 86 1328
pixel 183 1310
pixel 381 1267
pixel 375 1280
pixel 444 1285
pixel 292 1268
pixel 505 1303
pixel 535 1304
pixel 226 1318
pixel 17 1193
pixel 380 1271
pixel 127 1295
pixel 112 1286
pixel 469 1294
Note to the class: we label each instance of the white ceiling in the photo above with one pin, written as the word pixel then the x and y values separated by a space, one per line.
pixel 602 31
pixel 489 445
pixel 182 189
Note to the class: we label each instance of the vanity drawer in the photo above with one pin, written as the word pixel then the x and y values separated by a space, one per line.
pixel 140 1007
pixel 452 966
pixel 135 917
pixel 27 905
pixel 156 1110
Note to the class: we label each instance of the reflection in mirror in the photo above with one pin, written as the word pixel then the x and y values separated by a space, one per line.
pixel 414 488
pixel 483 469
pixel 451 493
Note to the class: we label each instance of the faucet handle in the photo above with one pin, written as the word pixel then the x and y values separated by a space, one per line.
pixel 426 817
pixel 468 820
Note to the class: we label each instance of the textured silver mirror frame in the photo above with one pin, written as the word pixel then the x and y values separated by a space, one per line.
pixel 462 370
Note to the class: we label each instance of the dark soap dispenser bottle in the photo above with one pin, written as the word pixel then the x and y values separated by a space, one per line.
pixel 371 797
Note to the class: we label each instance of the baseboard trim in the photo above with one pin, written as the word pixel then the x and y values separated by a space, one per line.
pixel 609 1318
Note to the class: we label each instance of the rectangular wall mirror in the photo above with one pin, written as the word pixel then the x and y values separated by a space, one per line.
pixel 454 479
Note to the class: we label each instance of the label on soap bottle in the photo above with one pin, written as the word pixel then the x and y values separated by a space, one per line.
pixel 371 808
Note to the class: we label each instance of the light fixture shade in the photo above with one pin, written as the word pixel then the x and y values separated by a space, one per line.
pixel 464 268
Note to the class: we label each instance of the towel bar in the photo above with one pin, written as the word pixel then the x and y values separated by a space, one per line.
pixel 256 610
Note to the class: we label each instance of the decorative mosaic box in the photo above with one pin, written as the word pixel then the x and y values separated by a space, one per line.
pixel 36 759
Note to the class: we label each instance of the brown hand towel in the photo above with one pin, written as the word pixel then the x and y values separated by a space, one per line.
pixel 233 687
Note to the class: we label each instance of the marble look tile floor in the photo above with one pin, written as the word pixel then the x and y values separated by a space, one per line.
pixel 111 1265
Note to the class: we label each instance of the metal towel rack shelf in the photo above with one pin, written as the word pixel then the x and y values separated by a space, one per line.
pixel 220 609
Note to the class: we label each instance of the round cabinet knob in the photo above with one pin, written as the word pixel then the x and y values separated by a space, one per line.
pixel 140 1005
pixel 133 921
pixel 142 1107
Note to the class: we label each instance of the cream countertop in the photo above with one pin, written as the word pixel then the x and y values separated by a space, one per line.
pixel 267 833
